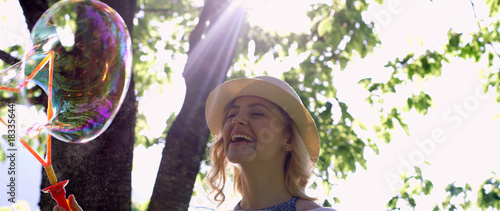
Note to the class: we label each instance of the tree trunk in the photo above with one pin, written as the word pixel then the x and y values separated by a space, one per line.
pixel 99 171
pixel 33 9
pixel 208 62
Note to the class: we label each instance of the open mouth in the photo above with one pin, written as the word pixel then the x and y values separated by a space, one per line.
pixel 240 138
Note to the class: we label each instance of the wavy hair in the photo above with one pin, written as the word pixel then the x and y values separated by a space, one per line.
pixel 298 166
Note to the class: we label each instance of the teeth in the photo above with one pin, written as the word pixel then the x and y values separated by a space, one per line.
pixel 248 138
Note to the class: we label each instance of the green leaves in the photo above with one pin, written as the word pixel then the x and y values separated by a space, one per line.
pixel 2 153
pixel 458 197
pixel 481 46
pixel 387 125
pixel 160 38
pixel 489 194
pixel 420 102
pixel 454 192
pixel 412 185
pixel 338 33
pixel 324 26
pixel 494 6
pixel 341 33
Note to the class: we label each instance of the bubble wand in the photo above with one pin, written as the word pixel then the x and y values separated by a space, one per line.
pixel 57 190
pixel 82 52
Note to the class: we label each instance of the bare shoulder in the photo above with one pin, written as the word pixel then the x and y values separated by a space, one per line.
pixel 303 205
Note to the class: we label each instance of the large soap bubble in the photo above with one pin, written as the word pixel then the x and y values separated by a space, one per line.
pixel 92 60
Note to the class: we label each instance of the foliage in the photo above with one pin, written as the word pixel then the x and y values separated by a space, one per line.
pixel 412 185
pixel 458 197
pixel 413 67
pixel 338 33
pixel 160 32
pixel 456 192
pixel 142 125
pixel 140 207
pixel 428 65
pixel 489 194
pixel 160 36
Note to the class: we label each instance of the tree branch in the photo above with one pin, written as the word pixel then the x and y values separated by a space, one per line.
pixel 479 25
pixel 474 10
pixel 7 58
pixel 211 12
pixel 33 10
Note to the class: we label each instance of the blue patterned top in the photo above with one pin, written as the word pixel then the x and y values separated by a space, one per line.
pixel 285 206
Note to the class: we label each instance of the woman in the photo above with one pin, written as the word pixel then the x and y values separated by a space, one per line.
pixel 261 127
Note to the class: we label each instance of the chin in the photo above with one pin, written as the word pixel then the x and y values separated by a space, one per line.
pixel 240 157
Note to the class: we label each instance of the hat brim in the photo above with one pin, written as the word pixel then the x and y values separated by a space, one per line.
pixel 267 89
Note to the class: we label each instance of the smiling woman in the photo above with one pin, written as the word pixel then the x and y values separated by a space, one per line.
pixel 262 129
pixel 249 119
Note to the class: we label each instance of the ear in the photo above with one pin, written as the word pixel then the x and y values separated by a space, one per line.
pixel 290 138
pixel 288 142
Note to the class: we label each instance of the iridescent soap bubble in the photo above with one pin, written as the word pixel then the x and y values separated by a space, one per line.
pixel 92 66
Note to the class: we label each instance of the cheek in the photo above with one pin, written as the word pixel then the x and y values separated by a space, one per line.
pixel 265 135
pixel 225 128
pixel 277 125
pixel 269 131
pixel 225 131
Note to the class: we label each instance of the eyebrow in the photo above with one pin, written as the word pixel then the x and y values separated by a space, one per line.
pixel 250 106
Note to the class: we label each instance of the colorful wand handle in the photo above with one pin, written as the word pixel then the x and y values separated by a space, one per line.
pixel 58 193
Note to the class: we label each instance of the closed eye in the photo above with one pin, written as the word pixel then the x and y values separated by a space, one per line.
pixel 257 114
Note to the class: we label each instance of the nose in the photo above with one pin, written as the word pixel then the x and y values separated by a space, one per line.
pixel 238 120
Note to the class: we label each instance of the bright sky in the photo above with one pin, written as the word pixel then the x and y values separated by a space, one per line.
pixel 460 146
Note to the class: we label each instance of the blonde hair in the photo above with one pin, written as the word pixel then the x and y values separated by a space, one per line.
pixel 298 166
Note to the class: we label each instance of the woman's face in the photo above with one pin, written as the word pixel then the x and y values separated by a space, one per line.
pixel 254 131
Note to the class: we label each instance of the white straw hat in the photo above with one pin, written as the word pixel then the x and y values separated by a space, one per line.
pixel 269 88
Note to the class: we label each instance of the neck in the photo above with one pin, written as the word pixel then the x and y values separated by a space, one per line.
pixel 263 186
